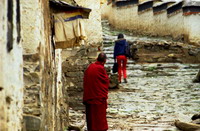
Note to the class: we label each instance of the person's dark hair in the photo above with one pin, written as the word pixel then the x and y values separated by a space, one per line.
pixel 102 57
pixel 120 36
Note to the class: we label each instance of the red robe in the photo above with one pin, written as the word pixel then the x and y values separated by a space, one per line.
pixel 96 84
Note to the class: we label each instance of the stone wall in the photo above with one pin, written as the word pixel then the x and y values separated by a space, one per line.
pixel 43 107
pixel 73 72
pixel 31 41
pixel 76 60
pixel 11 64
pixel 177 20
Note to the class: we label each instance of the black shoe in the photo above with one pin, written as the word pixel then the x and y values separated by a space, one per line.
pixel 125 80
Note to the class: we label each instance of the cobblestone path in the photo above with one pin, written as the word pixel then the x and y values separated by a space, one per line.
pixel 155 95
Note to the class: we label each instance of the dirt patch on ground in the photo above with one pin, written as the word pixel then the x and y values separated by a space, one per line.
pixel 164 52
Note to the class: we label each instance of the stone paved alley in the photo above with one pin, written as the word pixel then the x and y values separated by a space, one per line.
pixel 156 94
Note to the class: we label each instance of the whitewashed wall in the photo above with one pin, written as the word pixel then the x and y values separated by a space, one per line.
pixel 159 27
pixel 11 76
pixel 31 22
pixel 146 22
pixel 3 109
pixel 134 18
pixel 93 24
pixel 175 25
pixel 192 28
pixel 178 26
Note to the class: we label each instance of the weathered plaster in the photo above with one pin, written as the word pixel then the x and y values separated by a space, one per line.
pixel 93 24
pixel 134 18
pixel 31 23
pixel 192 28
pixel 11 78
pixel 146 22
pixel 41 69
pixel 175 25
pixel 161 23
pixel 3 109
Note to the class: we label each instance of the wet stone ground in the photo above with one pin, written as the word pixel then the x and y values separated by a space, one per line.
pixel 156 94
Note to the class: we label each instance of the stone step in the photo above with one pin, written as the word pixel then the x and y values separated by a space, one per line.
pixel 161 65
pixel 109 48
pixel 112 62
pixel 127 67
pixel 109 55
pixel 152 67
pixel 151 127
pixel 108 52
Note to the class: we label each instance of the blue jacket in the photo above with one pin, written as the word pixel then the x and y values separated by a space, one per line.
pixel 119 48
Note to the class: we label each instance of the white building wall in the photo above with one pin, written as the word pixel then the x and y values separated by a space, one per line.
pixel 11 76
pixel 3 109
pixel 134 18
pixel 111 15
pixel 146 21
pixel 160 23
pixel 31 22
pixel 192 28
pixel 93 24
pixel 177 25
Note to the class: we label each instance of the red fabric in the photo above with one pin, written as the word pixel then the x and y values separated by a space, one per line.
pixel 96 117
pixel 95 94
pixel 121 61
pixel 96 82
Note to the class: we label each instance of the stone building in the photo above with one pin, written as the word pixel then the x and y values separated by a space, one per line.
pixel 41 69
pixel 35 94
pixel 46 97
pixel 75 60
pixel 175 18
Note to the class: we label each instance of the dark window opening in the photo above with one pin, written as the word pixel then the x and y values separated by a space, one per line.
pixel 175 8
pixel 18 21
pixel 145 6
pixel 10 25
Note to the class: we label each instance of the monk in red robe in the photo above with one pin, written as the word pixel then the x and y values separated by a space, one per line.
pixel 95 95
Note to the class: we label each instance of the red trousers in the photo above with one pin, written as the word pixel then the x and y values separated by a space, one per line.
pixel 96 117
pixel 121 61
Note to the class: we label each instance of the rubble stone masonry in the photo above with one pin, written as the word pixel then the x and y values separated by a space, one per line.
pixel 73 71
pixel 35 77
pixel 75 61
pixel 43 106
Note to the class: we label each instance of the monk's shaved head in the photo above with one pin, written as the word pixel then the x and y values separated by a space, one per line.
pixel 102 57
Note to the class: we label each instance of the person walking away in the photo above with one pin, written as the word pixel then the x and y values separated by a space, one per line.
pixel 120 56
pixel 95 95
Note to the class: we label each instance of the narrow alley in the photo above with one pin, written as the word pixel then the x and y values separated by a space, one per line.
pixel 46 51
pixel 155 96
